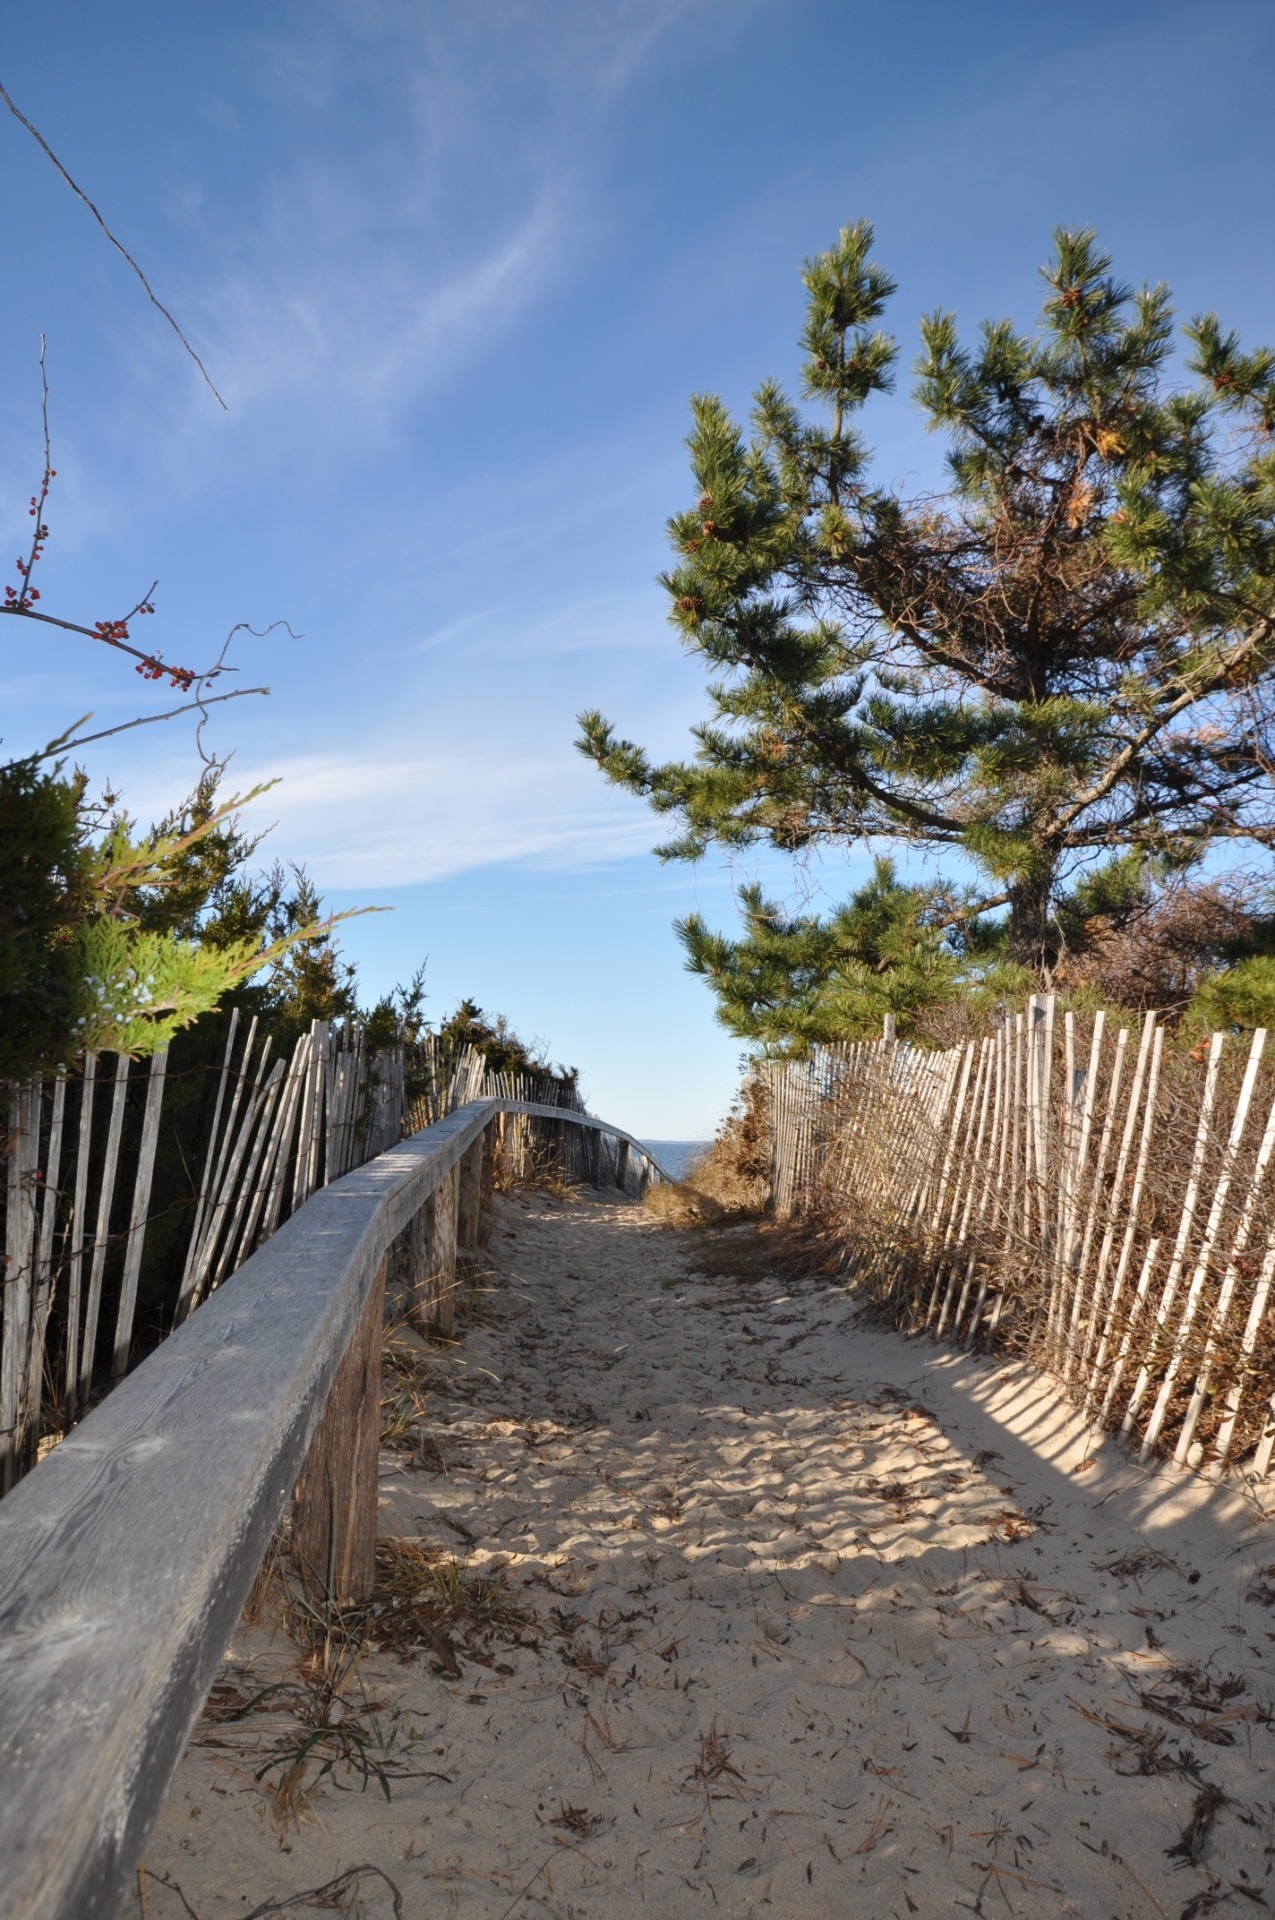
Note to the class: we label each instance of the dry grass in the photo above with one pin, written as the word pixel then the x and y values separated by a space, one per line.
pixel 730 1180
pixel 426 1601
pixel 404 1391
pixel 738 1242
pixel 530 1159
pixel 765 1250
pixel 675 1203
pixel 318 1725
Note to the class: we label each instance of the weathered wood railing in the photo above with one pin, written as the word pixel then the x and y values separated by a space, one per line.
pixel 127 1555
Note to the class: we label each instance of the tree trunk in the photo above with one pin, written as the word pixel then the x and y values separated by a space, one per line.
pixel 1031 942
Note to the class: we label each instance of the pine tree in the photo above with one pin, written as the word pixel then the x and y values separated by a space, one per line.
pixel 310 979
pixel 1064 659
pixel 794 980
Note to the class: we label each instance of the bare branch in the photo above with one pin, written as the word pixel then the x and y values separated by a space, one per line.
pixel 66 743
pixel 106 633
pixel 1191 696
pixel 120 248
pixel 219 666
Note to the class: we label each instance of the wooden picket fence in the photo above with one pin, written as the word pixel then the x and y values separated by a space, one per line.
pixel 1083 1196
pixel 79 1176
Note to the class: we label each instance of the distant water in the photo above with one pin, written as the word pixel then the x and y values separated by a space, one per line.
pixel 675 1156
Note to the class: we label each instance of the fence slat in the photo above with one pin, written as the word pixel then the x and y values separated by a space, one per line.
pixel 1186 1317
pixel 101 1237
pixel 1186 1222
pixel 137 1222
pixel 19 1245
pixel 43 1277
pixel 79 1214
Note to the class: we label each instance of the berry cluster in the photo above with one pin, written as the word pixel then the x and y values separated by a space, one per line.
pixel 15 597
pixel 181 679
pixel 115 633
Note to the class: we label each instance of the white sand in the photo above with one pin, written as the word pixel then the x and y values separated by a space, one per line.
pixel 822 1623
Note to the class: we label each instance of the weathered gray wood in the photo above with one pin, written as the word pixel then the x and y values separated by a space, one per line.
pixel 208 1266
pixel 437 1285
pixel 79 1214
pixel 285 1122
pixel 102 1235
pixel 469 1197
pixel 19 1251
pixel 587 1120
pixel 622 1165
pixel 310 1146
pixel 406 1260
pixel 257 1180
pixel 206 1182
pixel 259 1118
pixel 305 1115
pixel 490 1138
pixel 147 1526
pixel 205 1231
pixel 44 1263
pixel 335 1503
pixel 137 1222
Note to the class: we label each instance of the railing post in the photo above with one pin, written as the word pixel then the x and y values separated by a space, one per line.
pixel 334 1504
pixel 491 1149
pixel 469 1197
pixel 438 1284
pixel 595 1156
pixel 622 1165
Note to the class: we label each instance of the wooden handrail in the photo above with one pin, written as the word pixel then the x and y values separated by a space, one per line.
pixel 127 1555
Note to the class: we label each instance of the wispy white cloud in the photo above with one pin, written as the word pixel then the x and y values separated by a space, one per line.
pixel 378 822
pixel 391 251
pixel 353 330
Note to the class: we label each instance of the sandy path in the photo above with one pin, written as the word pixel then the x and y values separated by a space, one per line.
pixel 822 1627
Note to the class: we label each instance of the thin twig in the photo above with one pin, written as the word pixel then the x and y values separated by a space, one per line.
pixel 145 1873
pixel 329 1888
pixel 26 592
pixel 146 720
pixel 521 1894
pixel 219 666
pixel 120 248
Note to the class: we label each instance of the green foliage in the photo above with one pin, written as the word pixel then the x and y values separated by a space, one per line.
pixel 796 980
pixel 203 891
pixel 114 940
pixel 504 1050
pixel 309 978
pixel 399 1013
pixel 1065 659
pixel 140 988
pixel 43 889
pixel 1242 996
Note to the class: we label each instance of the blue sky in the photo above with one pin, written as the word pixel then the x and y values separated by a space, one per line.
pixel 457 268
